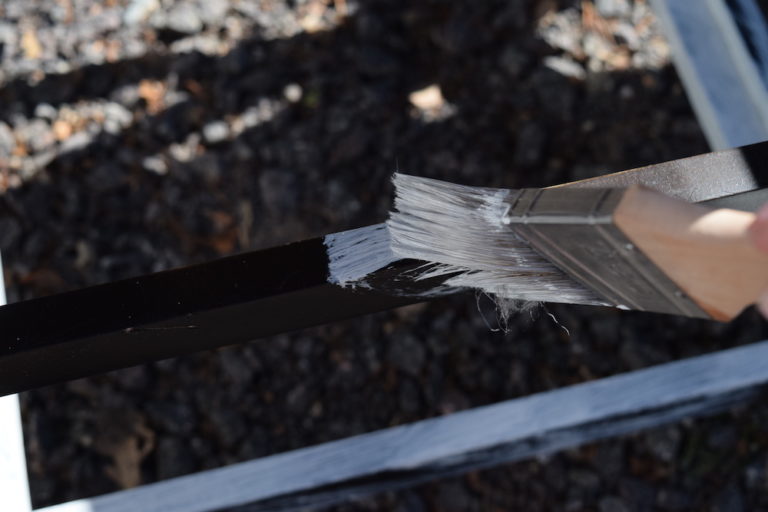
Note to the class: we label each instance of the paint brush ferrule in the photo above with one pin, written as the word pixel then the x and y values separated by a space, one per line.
pixel 575 230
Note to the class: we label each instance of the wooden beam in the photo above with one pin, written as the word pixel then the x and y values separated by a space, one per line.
pixel 722 79
pixel 485 436
pixel 14 485
pixel 222 302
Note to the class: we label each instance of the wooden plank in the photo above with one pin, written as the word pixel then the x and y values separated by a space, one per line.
pixel 218 303
pixel 503 432
pixel 720 76
pixel 14 487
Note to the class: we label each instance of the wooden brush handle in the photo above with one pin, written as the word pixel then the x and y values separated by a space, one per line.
pixel 706 252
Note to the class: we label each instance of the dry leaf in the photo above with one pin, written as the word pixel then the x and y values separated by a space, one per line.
pixel 127 441
pixel 224 243
pixel 125 470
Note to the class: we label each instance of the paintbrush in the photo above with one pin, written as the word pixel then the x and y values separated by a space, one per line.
pixel 628 247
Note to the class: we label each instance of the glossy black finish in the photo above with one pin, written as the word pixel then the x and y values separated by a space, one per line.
pixel 223 302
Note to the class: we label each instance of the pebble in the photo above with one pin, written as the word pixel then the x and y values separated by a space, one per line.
pixel 46 111
pixel 730 500
pixel 139 10
pixel 664 442
pixel 77 141
pixel 613 8
pixel 184 18
pixel 215 132
pixel 674 499
pixel 407 354
pixel 293 93
pixel 155 164
pixel 513 60
pixel 565 66
pixel 7 141
pixel 612 504
pixel 530 144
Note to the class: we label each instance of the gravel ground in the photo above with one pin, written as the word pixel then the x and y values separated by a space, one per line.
pixel 142 135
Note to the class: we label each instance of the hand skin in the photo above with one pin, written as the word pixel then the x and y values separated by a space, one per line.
pixel 758 232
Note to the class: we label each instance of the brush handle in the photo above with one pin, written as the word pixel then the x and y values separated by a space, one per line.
pixel 706 252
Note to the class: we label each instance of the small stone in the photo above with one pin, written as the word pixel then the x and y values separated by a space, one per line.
pixel 429 98
pixel 453 496
pixel 376 61
pixel 664 442
pixel 513 60
pixel 407 354
pixel 563 31
pixel 9 233
pixel 62 130
pixel 31 45
pixel 215 132
pixel 613 8
pixel 722 437
pixel 637 492
pixel 730 500
pixel 755 475
pixel 626 33
pixel 673 499
pixel 530 144
pixel 37 135
pixel 46 111
pixel 155 164
pixel 609 459
pixel 172 416
pixel 410 402
pixel 184 19
pixel 565 66
pixel 173 458
pixel 597 48
pixel 7 140
pixel 116 112
pixel 612 504
pixel 293 93
pixel 585 479
pixel 76 141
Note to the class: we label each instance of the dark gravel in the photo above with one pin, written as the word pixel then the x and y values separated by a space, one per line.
pixel 137 136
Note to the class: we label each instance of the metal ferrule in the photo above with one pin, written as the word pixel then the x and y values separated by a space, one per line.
pixel 574 229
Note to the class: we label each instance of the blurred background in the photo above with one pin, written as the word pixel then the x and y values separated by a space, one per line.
pixel 141 135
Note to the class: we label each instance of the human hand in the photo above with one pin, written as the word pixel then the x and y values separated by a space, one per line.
pixel 758 232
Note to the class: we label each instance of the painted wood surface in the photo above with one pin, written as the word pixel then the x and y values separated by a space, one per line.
pixel 14 487
pixel 481 437
pixel 721 78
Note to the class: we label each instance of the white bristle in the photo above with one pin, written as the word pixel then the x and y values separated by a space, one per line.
pixel 354 254
pixel 463 230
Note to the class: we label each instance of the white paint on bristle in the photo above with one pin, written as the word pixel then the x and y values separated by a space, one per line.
pixel 463 233
pixel 354 254
pixel 467 232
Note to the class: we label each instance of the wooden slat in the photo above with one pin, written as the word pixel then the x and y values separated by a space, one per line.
pixel 503 432
pixel 719 74
pixel 14 487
